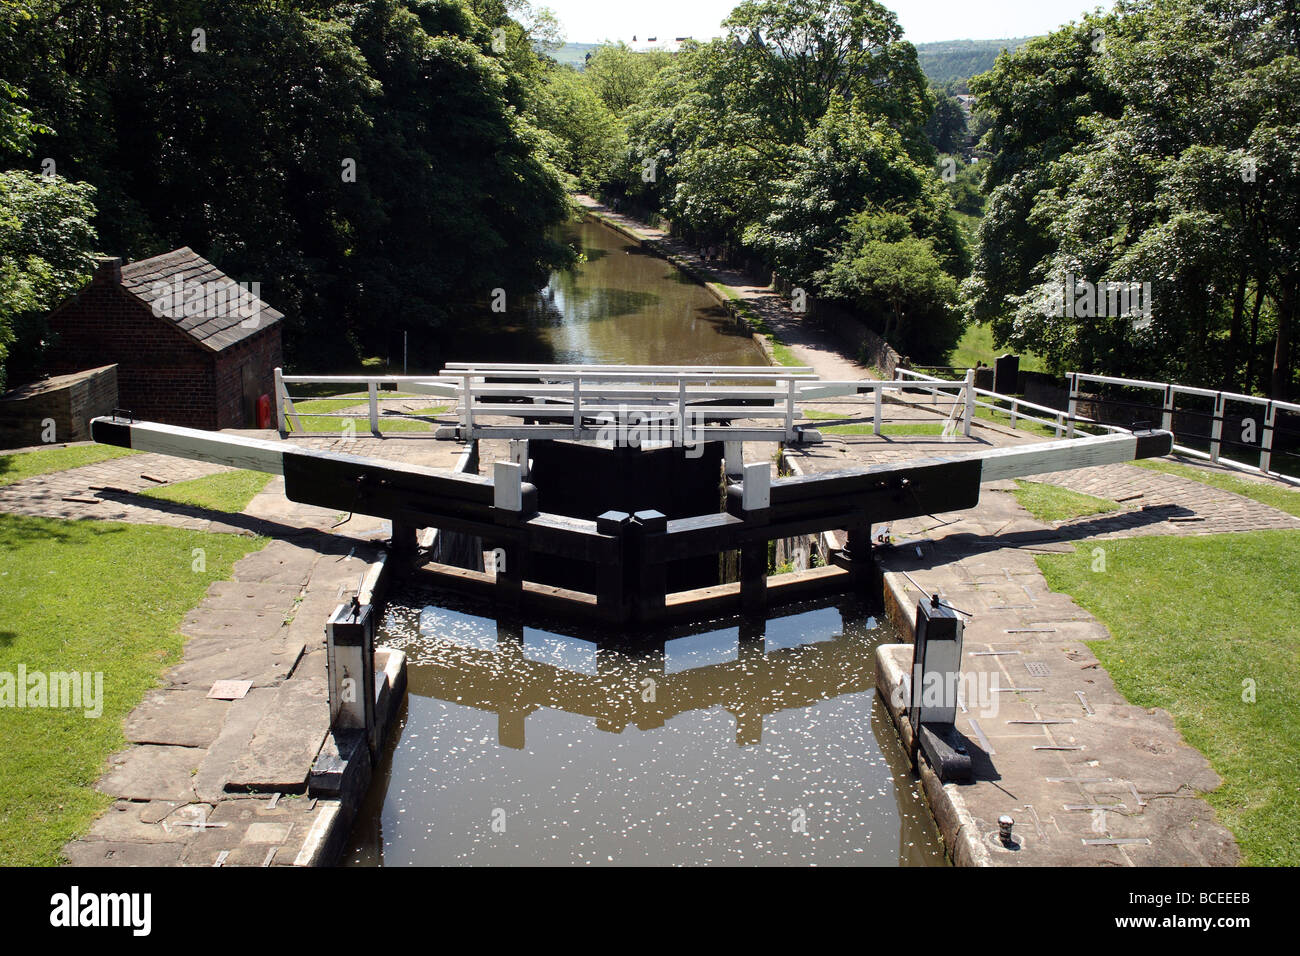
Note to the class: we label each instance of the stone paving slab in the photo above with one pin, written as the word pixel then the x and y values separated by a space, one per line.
pixel 285 742
pixel 1111 743
pixel 182 718
pixel 265 663
pixel 219 761
pixel 152 772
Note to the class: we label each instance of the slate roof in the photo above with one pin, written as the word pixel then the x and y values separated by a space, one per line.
pixel 223 315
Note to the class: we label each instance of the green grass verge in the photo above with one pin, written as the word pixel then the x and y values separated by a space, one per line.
pixel 1194 621
pixel 1054 503
pixel 976 345
pixel 1270 493
pixel 866 428
pixel 29 464
pixel 86 596
pixel 228 491
pixel 315 418
pixel 920 428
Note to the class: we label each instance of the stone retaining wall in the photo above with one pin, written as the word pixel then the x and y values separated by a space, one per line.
pixel 69 402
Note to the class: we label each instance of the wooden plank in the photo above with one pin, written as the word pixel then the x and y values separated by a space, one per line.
pixel 254 454
pixel 1045 457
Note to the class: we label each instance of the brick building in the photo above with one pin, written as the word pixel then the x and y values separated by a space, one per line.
pixel 192 346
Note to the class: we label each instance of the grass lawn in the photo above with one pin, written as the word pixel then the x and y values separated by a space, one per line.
pixel 918 428
pixel 976 345
pixel 1054 503
pixel 228 491
pixel 1193 619
pixel 866 428
pixel 86 596
pixel 1270 493
pixel 315 417
pixel 29 464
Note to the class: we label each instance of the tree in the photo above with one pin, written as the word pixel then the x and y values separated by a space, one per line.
pixel 852 160
pixel 590 142
pixel 621 76
pixel 363 161
pixel 884 267
pixel 1156 144
pixel 46 243
pixel 946 127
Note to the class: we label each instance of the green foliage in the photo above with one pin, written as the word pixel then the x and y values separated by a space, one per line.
pixel 46 240
pixel 588 139
pixel 240 146
pixel 851 161
pixel 620 75
pixel 884 268
pixel 946 128
pixel 950 63
pixel 1154 144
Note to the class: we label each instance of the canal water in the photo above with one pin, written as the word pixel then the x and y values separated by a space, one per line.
pixel 724 743
pixel 620 305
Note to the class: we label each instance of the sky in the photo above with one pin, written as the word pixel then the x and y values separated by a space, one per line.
pixel 592 21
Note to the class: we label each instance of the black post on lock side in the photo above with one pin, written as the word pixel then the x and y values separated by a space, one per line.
pixel 936 675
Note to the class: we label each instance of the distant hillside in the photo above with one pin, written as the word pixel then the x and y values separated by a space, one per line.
pixel 951 61
pixel 574 54
pixel 943 62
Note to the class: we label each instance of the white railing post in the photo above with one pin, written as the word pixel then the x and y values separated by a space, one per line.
pixel 789 411
pixel 876 416
pixel 1167 417
pixel 1216 428
pixel 467 405
pixel 1015 411
pixel 1266 440
pixel 1059 426
pixel 372 394
pixel 970 401
pixel 281 396
pixel 1073 405
pixel 681 410
pixel 577 406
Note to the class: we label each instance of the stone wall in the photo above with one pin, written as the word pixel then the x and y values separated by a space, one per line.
pixel 68 401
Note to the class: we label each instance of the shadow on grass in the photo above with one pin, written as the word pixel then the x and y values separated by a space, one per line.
pixel 945 549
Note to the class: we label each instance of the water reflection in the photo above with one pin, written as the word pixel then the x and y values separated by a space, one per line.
pixel 663 316
pixel 731 743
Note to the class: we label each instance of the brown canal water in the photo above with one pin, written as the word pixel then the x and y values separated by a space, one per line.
pixel 722 743
pixel 620 305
